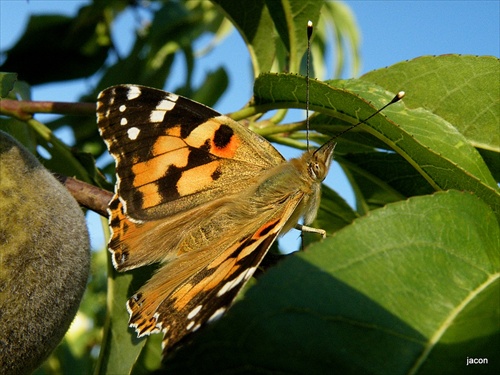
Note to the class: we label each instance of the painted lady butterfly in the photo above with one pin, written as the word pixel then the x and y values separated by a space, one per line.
pixel 203 195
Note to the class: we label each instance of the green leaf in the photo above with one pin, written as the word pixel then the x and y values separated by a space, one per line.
pixel 121 348
pixel 151 355
pixel 258 21
pixel 20 131
pixel 255 25
pixel 410 288
pixel 443 84
pixel 7 81
pixel 346 33
pixel 493 161
pixel 379 178
pixel 55 48
pixel 434 147
pixel 334 213
pixel 290 19
pixel 140 67
pixel 427 142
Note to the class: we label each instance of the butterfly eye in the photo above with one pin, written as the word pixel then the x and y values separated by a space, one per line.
pixel 316 171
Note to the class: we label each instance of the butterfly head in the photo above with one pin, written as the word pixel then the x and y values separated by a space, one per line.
pixel 320 161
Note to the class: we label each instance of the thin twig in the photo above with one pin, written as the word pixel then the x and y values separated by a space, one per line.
pixel 25 109
pixel 88 196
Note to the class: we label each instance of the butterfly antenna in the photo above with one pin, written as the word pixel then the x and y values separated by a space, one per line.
pixel 396 98
pixel 309 34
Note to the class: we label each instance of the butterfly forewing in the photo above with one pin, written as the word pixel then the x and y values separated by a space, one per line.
pixel 173 154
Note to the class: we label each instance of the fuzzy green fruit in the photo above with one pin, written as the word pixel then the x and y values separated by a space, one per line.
pixel 44 259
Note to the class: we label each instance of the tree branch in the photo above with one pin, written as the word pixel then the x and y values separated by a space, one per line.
pixel 25 109
pixel 89 196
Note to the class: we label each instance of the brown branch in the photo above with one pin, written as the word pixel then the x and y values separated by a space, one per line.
pixel 89 196
pixel 25 109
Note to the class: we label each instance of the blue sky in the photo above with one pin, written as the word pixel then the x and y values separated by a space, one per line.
pixel 391 31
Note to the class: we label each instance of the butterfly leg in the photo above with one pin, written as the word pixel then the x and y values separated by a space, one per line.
pixel 305 228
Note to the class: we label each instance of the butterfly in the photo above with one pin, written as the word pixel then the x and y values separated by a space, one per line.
pixel 202 195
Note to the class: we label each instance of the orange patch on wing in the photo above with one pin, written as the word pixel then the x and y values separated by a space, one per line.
pixel 229 150
pixel 167 143
pixel 184 295
pixel 247 251
pixel 222 257
pixel 148 326
pixel 196 179
pixel 180 303
pixel 126 235
pixel 150 195
pixel 121 224
pixel 200 134
pixel 174 131
pixel 208 131
pixel 155 168
pixel 257 236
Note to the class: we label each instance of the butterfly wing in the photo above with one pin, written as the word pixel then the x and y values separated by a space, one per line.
pixel 198 287
pixel 173 154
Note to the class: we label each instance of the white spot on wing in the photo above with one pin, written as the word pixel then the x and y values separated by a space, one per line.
pixel 216 315
pixel 133 92
pixel 159 324
pixel 165 105
pixel 172 97
pixel 123 121
pixel 190 325
pixel 231 284
pixel 164 343
pixel 224 289
pixel 194 312
pixel 133 133
pixel 157 116
pixel 122 108
pixel 249 272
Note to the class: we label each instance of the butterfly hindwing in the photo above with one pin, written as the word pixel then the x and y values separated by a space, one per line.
pixel 209 289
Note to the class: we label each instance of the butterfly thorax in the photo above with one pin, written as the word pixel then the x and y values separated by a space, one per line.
pixel 312 168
